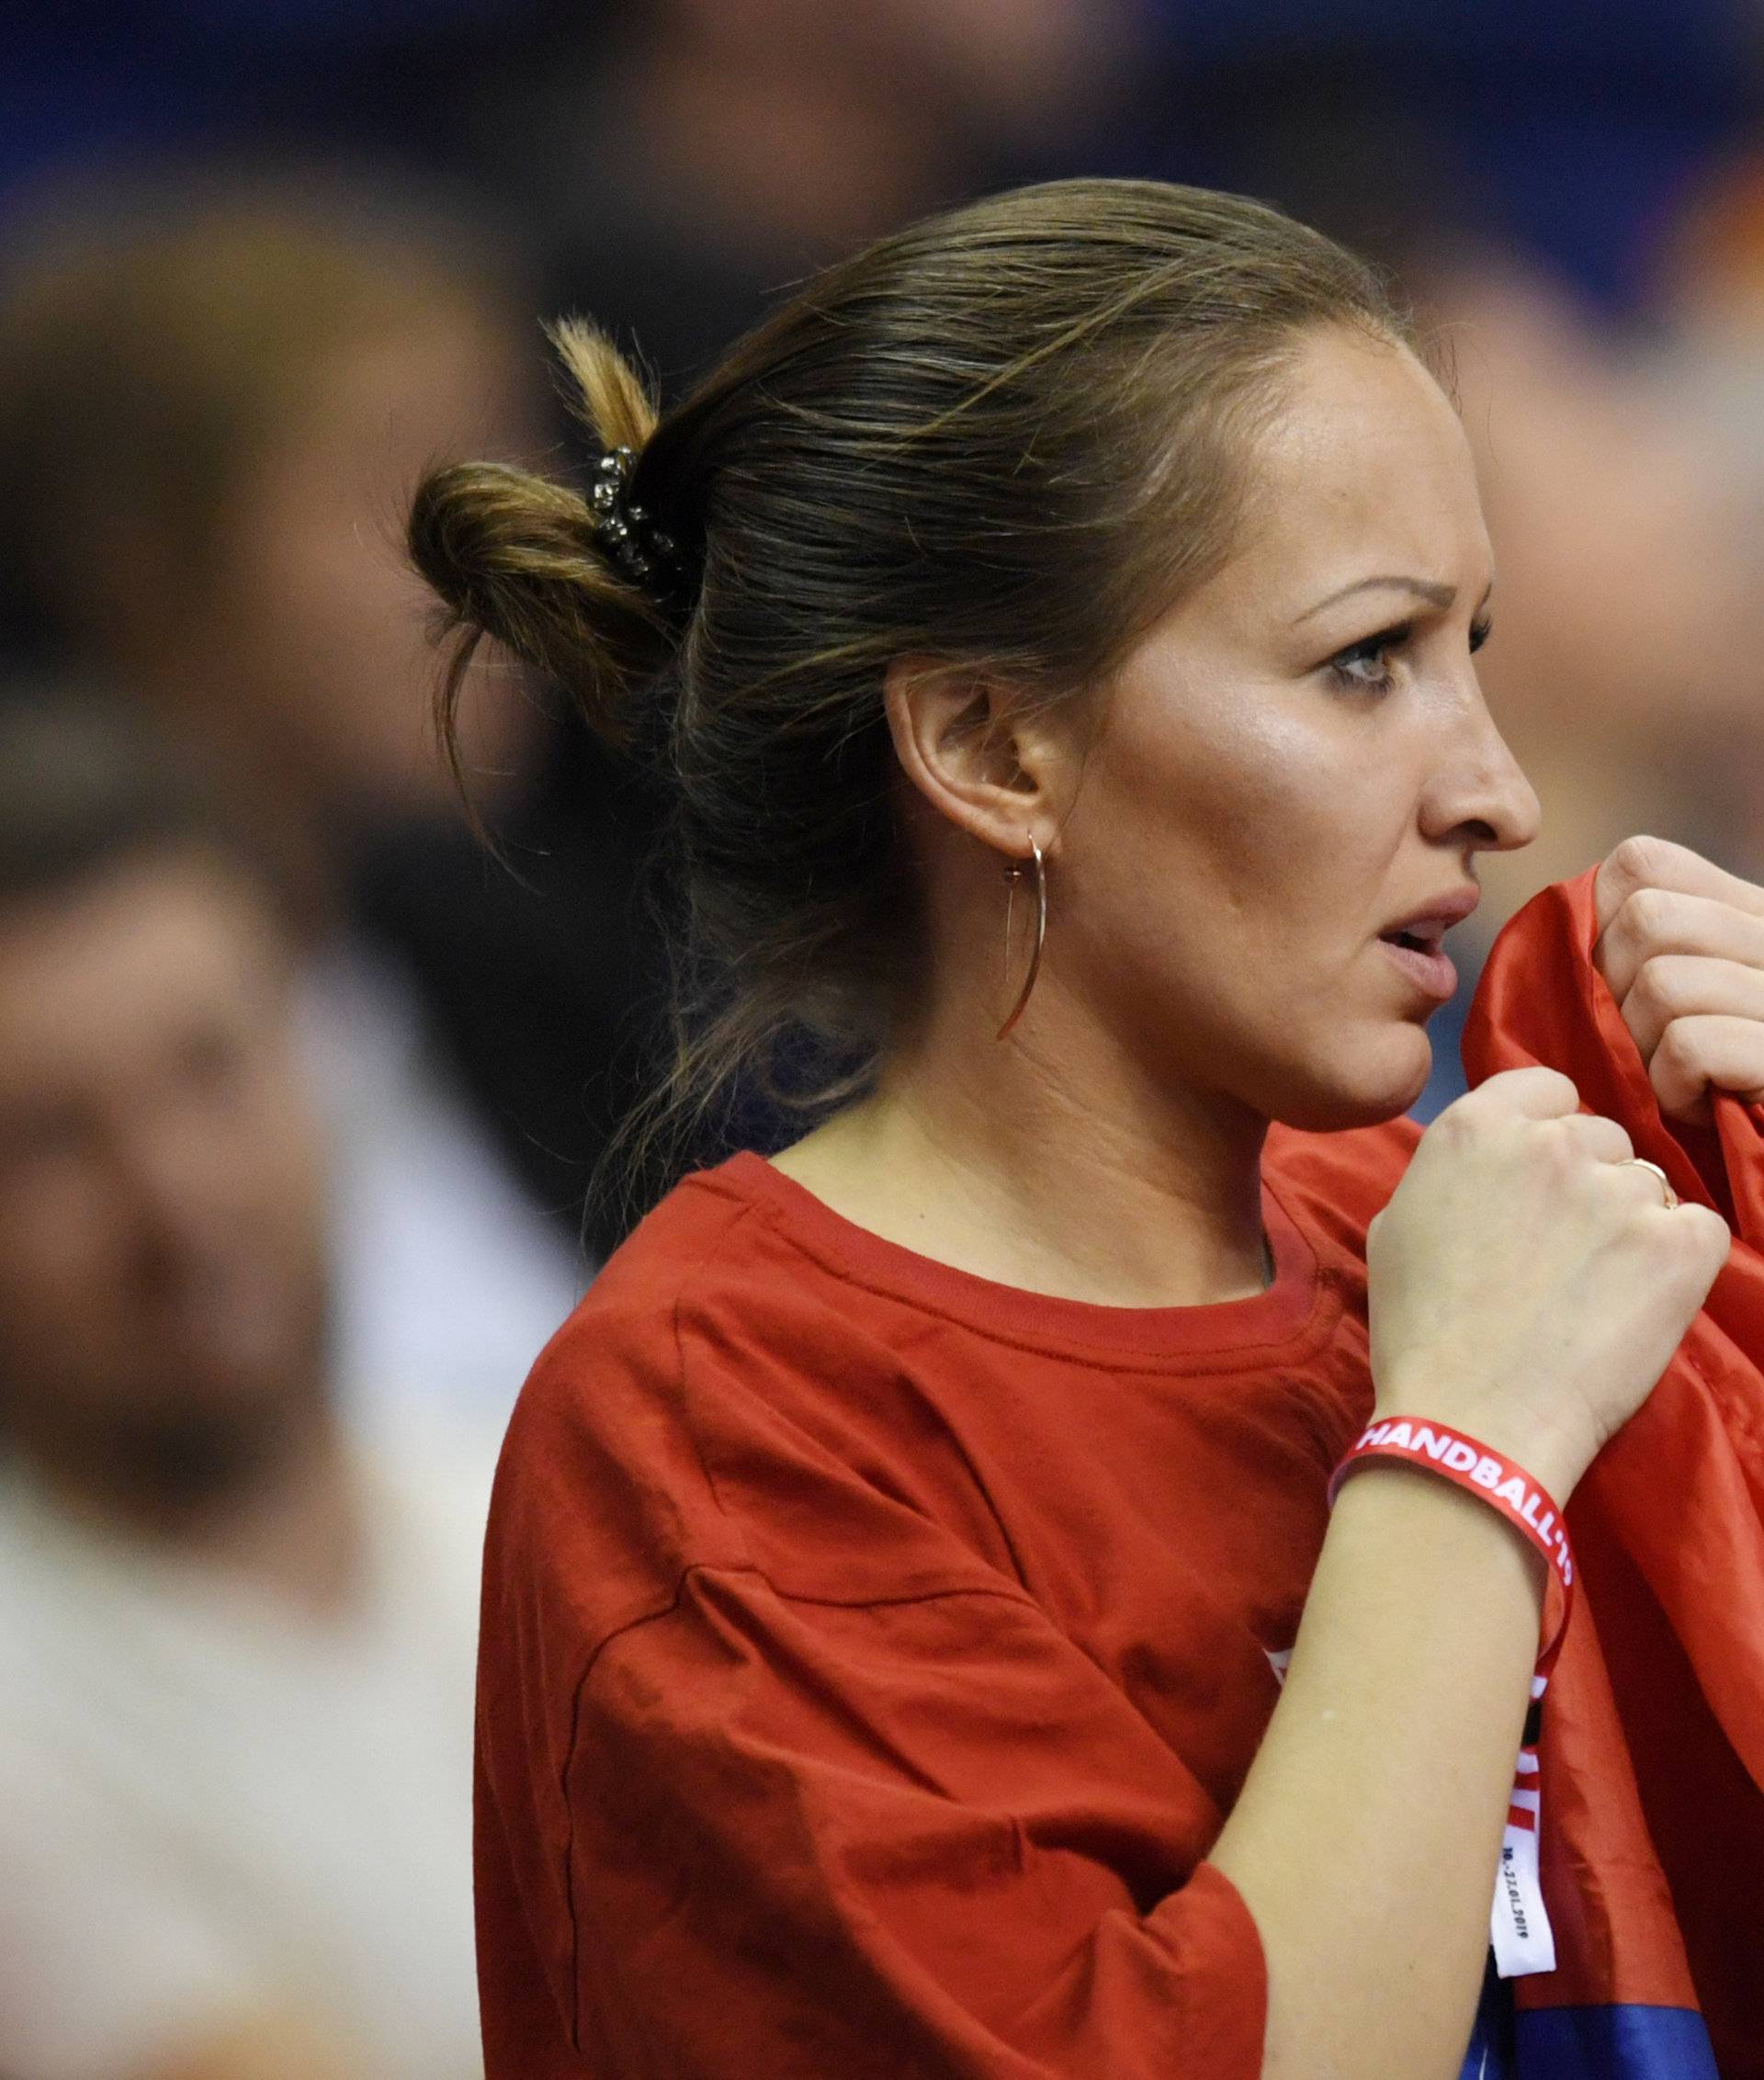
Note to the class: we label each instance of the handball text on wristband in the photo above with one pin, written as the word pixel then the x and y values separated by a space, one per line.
pixel 1494 1479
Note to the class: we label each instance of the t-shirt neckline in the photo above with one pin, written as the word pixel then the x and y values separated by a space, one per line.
pixel 1274 1317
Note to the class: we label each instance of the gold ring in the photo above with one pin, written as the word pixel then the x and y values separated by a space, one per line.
pixel 1641 1162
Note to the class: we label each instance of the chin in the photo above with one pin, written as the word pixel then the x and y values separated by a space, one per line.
pixel 1379 1082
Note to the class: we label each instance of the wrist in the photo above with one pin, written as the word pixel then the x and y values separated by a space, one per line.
pixel 1555 1454
pixel 1498 1481
pixel 1413 1508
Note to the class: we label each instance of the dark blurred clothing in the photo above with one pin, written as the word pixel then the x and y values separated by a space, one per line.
pixel 1445 1030
pixel 542 978
pixel 83 86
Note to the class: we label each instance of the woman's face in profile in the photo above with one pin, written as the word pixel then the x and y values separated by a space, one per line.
pixel 1296 762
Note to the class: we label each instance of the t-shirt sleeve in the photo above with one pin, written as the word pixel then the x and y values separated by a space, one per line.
pixel 926 1837
pixel 897 1838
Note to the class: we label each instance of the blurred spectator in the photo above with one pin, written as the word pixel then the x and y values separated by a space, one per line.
pixel 1710 298
pixel 217 393
pixel 214 400
pixel 1630 602
pixel 236 1633
pixel 686 159
pixel 1628 651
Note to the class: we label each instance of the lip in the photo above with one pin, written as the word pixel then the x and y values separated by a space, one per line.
pixel 1431 973
pixel 1426 966
pixel 1443 911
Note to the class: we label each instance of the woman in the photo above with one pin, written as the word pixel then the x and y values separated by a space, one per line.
pixel 1058 623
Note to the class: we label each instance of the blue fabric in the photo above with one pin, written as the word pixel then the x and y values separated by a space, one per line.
pixel 1490 2055
pixel 1621 2042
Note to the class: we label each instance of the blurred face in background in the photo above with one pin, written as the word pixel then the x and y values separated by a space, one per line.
pixel 1631 603
pixel 1632 612
pixel 162 1282
pixel 216 400
pixel 313 628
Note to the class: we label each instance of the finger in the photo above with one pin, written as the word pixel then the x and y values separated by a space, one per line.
pixel 1697 1243
pixel 1658 863
pixel 1528 1094
pixel 1675 986
pixel 1699 1055
pixel 1600 1139
pixel 1707 1237
pixel 1660 921
pixel 1645 1185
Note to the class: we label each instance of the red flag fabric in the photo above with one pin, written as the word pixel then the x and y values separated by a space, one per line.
pixel 1652 1740
pixel 1654 1727
pixel 1669 1521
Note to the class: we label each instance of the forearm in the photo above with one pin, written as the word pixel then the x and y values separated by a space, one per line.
pixel 1366 1838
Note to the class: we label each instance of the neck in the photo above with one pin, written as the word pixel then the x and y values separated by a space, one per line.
pixel 1050 1164
pixel 287 1520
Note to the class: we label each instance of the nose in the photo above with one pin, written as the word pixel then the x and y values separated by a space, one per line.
pixel 179 1195
pixel 1477 796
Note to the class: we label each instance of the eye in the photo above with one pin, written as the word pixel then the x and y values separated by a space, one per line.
pixel 1479 633
pixel 1364 667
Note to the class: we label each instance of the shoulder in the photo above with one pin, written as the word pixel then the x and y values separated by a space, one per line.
pixel 722 1399
pixel 707 1288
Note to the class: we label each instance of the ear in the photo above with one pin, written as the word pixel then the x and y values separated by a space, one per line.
pixel 986 762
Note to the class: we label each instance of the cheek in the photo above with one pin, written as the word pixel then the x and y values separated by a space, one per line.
pixel 290 1201
pixel 1233 823
pixel 1232 861
pixel 63 1293
pixel 56 1228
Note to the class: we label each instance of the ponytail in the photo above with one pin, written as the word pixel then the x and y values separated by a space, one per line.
pixel 527 560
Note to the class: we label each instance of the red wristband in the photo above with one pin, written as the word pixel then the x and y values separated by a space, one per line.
pixel 1498 1481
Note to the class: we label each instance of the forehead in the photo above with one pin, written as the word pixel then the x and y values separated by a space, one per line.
pixel 1363 469
pixel 91 975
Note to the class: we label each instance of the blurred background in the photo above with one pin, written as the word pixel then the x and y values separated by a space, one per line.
pixel 300 1089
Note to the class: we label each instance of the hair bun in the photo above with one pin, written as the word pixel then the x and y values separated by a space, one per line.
pixel 533 563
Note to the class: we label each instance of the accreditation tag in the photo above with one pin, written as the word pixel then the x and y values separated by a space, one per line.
pixel 1519 1925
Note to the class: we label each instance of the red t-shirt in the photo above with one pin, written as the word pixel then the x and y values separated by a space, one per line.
pixel 872 1654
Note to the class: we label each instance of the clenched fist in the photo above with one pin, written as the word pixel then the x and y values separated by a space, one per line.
pixel 1528 1283
pixel 1681 948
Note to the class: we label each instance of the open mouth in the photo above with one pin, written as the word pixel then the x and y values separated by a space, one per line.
pixel 1417 939
pixel 1420 939
pixel 1426 965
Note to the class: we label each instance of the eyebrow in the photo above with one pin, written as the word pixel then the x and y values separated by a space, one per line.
pixel 1441 597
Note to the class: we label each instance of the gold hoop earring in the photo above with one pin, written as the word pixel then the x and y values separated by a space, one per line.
pixel 1013 876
